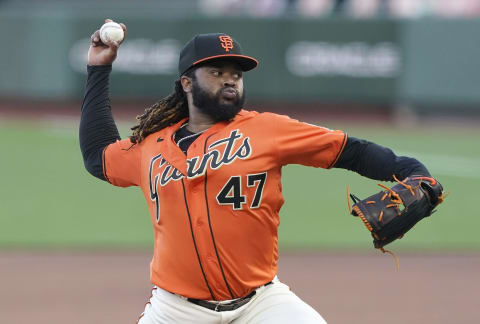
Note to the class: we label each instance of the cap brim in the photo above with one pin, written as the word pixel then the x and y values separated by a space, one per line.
pixel 247 63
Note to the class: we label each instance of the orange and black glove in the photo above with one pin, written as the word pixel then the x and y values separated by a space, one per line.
pixel 389 214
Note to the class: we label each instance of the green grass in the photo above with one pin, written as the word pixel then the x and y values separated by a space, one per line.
pixel 48 200
pixel 316 215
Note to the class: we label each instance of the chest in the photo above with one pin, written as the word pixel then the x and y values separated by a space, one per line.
pixel 235 170
pixel 229 153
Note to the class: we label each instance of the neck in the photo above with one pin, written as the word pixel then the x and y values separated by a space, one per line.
pixel 198 121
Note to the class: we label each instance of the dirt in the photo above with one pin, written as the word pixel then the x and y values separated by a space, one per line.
pixel 112 287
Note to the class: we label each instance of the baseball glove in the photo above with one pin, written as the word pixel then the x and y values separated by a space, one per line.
pixel 389 214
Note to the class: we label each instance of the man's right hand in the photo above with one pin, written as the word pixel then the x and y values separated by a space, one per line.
pixel 100 53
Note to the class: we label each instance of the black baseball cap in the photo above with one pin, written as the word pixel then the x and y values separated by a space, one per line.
pixel 207 47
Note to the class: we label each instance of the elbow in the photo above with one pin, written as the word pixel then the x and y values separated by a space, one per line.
pixel 95 170
pixel 93 164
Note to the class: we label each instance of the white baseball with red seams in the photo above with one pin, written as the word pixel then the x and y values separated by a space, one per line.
pixel 111 32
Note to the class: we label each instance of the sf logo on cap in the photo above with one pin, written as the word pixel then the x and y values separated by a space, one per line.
pixel 227 42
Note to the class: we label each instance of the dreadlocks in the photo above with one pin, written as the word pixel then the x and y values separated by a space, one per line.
pixel 163 113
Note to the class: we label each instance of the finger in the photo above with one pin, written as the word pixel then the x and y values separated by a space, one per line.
pixel 97 41
pixel 124 29
pixel 92 37
pixel 94 40
pixel 96 37
pixel 115 45
pixel 108 20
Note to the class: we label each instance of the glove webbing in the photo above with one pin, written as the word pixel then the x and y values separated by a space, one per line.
pixel 364 220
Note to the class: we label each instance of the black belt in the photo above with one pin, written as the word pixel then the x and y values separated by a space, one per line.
pixel 234 304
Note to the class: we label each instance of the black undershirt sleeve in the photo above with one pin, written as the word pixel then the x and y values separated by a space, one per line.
pixel 377 162
pixel 97 127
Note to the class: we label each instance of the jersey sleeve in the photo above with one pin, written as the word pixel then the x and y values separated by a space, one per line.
pixel 121 163
pixel 306 144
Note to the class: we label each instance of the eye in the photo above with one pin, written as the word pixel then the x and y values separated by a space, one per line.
pixel 237 75
pixel 215 72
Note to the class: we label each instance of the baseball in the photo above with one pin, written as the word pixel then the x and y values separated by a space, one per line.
pixel 111 32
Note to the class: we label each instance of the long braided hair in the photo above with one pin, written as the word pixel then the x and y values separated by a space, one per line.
pixel 164 113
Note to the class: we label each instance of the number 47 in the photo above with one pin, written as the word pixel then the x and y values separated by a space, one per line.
pixel 231 193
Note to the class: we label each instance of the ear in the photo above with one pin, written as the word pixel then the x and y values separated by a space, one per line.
pixel 186 84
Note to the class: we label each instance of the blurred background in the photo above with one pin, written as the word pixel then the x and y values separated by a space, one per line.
pixel 401 73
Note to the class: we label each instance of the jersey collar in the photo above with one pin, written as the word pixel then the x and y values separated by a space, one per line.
pixel 173 154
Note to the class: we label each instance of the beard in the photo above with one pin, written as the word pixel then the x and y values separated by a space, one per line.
pixel 211 106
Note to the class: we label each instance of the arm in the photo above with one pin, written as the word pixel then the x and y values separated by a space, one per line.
pixel 377 162
pixel 97 127
pixel 392 212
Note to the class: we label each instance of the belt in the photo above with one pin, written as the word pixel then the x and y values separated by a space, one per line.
pixel 232 305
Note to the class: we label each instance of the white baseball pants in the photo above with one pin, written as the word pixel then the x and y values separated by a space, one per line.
pixel 272 304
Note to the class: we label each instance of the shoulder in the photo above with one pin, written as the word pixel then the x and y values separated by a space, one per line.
pixel 162 134
pixel 155 137
pixel 146 144
pixel 259 116
pixel 246 114
pixel 265 122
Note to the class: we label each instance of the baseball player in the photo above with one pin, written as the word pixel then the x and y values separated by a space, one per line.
pixel 210 172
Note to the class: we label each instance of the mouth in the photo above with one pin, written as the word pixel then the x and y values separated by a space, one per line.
pixel 229 93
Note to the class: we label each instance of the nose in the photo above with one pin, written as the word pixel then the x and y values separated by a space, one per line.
pixel 229 81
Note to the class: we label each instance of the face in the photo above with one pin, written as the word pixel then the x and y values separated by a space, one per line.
pixel 217 90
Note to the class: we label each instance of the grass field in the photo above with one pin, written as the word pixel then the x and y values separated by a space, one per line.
pixel 48 200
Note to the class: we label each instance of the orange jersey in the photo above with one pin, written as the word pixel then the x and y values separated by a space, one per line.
pixel 215 210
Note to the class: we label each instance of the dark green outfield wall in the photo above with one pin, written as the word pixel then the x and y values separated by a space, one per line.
pixel 430 62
